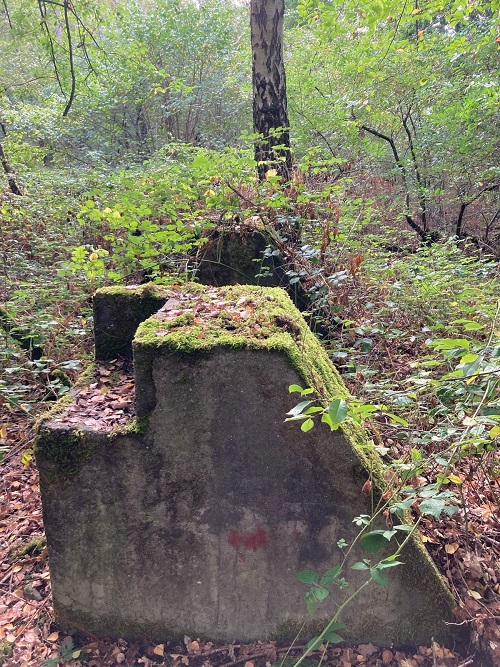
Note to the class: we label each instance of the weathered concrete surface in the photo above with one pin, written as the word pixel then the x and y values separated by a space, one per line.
pixel 197 524
pixel 237 256
pixel 118 311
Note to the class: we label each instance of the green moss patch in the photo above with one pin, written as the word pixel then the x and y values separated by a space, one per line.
pixel 61 452
pixel 199 319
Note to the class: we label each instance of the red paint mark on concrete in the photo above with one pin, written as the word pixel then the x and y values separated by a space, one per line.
pixel 250 541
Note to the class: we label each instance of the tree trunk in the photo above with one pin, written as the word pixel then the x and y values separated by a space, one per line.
pixel 9 171
pixel 270 117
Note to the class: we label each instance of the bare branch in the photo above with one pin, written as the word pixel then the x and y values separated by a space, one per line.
pixel 71 60
pixel 7 14
pixel 471 200
pixel 404 177
pixel 45 27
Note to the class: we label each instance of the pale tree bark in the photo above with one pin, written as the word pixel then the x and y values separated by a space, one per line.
pixel 269 88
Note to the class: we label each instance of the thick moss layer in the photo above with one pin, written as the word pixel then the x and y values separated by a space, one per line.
pixel 251 318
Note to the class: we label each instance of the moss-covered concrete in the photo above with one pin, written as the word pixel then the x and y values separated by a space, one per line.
pixel 242 317
pixel 118 311
pixel 60 453
pixel 196 517
pixel 270 322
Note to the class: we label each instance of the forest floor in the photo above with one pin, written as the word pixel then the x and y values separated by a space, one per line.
pixel 29 633
pixel 465 546
pixel 466 552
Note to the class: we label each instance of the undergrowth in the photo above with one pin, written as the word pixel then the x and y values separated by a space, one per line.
pixel 413 329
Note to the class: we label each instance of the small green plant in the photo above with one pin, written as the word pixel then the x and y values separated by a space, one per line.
pixel 404 493
pixel 67 651
pixel 6 650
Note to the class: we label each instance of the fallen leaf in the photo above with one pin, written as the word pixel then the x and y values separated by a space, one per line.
pixel 387 656
pixel 367 650
pixel 53 637
pixel 367 488
pixel 451 548
pixel 159 649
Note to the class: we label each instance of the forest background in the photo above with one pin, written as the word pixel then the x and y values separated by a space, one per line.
pixel 126 135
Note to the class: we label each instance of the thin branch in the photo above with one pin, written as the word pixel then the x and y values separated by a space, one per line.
pixel 471 200
pixel 319 133
pixel 26 83
pixel 404 177
pixel 420 185
pixel 396 29
pixel 7 14
pixel 71 60
pixel 45 27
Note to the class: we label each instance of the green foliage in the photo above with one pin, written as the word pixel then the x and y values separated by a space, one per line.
pixel 146 220
pixel 382 67
pixel 67 651
pixel 144 75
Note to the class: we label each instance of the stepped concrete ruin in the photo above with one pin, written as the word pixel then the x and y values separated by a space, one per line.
pixel 194 516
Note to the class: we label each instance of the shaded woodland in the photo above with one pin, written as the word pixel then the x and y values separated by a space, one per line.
pixel 135 138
